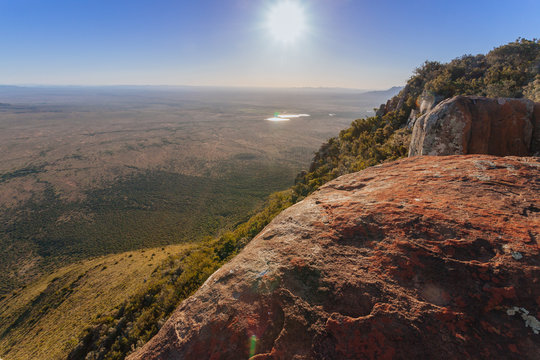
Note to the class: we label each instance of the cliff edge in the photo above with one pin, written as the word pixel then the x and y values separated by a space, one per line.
pixel 425 257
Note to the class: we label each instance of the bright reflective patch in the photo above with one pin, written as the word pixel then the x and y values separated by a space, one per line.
pixel 285 117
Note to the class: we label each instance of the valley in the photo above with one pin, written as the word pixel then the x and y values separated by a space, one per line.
pixel 92 171
pixel 284 179
pixel 90 271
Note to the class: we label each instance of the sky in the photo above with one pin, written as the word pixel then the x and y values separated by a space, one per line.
pixel 343 43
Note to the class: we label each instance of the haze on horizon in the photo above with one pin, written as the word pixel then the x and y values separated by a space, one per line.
pixel 319 43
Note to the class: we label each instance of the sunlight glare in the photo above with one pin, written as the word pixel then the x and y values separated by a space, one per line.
pixel 286 21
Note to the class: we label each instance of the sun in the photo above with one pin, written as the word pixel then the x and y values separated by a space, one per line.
pixel 286 21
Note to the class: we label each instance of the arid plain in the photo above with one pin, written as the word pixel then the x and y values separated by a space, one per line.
pixel 88 171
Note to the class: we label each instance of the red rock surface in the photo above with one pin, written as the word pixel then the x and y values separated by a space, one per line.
pixel 478 125
pixel 423 258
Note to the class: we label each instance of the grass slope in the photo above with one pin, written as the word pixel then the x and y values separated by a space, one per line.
pixel 45 319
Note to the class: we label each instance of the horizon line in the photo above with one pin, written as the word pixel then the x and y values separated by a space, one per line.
pixel 30 85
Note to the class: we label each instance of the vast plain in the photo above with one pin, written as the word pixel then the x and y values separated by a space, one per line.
pixel 91 171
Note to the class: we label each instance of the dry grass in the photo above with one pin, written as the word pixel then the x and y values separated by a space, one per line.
pixel 51 318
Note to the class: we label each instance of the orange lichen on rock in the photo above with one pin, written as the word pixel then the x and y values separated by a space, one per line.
pixel 422 258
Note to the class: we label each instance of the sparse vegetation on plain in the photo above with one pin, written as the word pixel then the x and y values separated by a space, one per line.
pixel 89 173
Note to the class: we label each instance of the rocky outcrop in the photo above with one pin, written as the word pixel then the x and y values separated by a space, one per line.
pixel 425 102
pixel 395 103
pixel 422 258
pixel 478 125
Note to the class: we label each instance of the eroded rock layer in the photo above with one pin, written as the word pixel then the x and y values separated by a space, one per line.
pixel 423 258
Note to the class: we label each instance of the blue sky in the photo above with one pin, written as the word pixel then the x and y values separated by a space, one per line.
pixel 347 43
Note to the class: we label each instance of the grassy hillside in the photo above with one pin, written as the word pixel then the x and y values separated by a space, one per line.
pixel 365 143
pixel 45 319
pixel 139 318
pixel 105 307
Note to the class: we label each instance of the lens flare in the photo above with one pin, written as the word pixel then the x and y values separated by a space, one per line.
pixel 252 345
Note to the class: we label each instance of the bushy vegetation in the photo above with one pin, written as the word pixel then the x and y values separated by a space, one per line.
pixel 512 70
pixel 506 71
pixel 140 317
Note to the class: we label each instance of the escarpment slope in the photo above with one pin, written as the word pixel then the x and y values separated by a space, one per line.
pixel 425 257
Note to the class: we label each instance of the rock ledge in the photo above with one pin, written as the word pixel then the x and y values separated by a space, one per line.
pixel 422 258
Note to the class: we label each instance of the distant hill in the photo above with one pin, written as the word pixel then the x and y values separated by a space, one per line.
pixel 378 94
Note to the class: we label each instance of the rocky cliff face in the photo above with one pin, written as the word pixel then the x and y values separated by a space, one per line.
pixel 395 103
pixel 420 258
pixel 478 125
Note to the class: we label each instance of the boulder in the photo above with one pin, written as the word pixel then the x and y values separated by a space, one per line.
pixel 478 125
pixel 413 116
pixel 422 258
pixel 535 144
pixel 427 100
